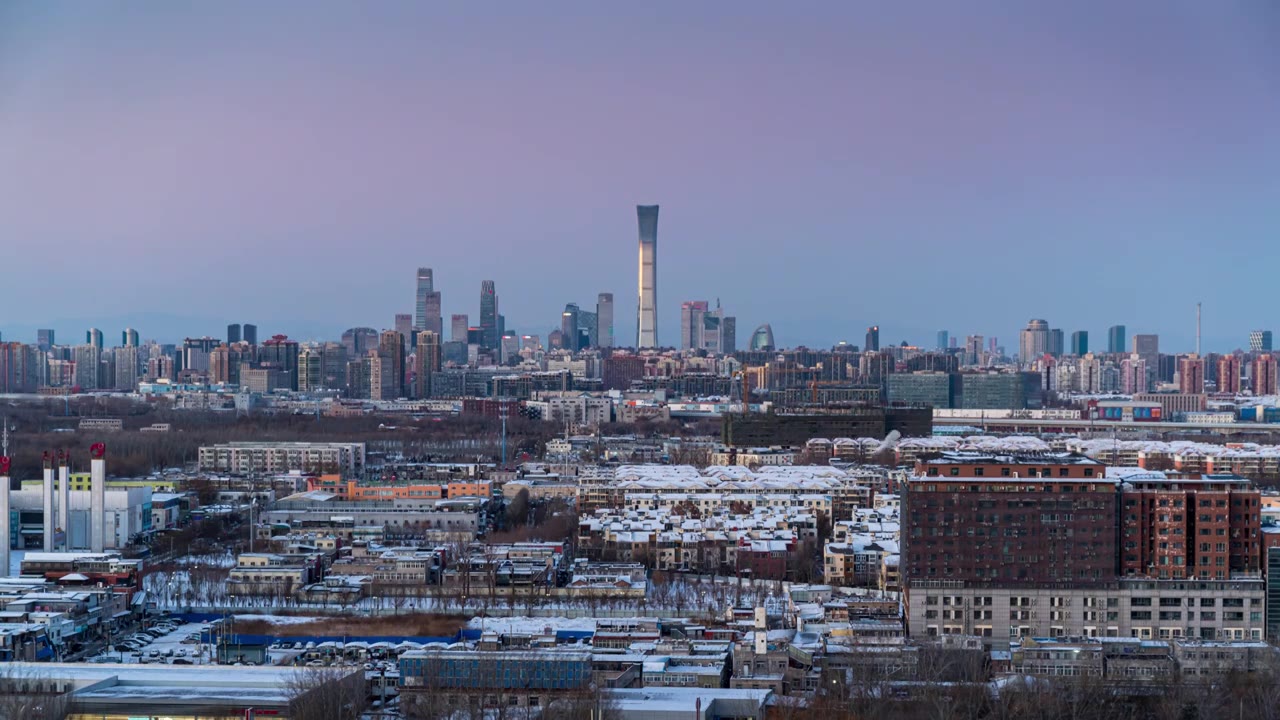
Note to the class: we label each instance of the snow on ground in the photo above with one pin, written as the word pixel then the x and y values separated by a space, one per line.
pixel 280 619
pixel 535 625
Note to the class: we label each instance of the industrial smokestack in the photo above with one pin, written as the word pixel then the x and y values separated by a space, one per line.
pixel 4 515
pixel 64 497
pixel 97 498
pixel 49 519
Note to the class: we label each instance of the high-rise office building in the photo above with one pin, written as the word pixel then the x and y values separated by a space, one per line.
pixel 427 360
pixel 1033 341
pixel 569 327
pixel 729 335
pixel 458 325
pixel 1146 344
pixel 93 337
pixel 1056 342
pixel 1191 375
pixel 762 338
pixel 310 369
pixel 488 315
pixel 691 313
pixel 647 304
pixel 873 339
pixel 45 339
pixel 1260 341
pixel 359 341
pixel 233 333
pixel 251 334
pixel 404 326
pixel 129 337
pixel 1080 343
pixel 281 353
pixel 604 320
pixel 425 286
pixel 1116 339
pixel 427 304
pixel 391 348
pixel 943 340
pixel 973 350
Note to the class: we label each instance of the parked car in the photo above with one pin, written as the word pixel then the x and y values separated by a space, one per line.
pixel 182 661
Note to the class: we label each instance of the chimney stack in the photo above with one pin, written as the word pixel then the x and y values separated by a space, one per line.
pixel 64 497
pixel 4 515
pixel 97 498
pixel 47 487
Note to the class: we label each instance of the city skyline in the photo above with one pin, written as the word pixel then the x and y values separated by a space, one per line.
pixel 1094 146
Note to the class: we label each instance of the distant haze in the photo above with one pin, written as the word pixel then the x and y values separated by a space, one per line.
pixel 820 166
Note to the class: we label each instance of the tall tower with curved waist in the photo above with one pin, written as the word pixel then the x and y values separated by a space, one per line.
pixel 647 308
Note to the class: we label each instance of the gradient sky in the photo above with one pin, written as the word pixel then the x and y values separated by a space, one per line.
pixel 820 166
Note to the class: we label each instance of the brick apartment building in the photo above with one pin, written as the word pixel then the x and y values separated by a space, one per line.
pixel 1051 545
pixel 1206 528
pixel 1011 520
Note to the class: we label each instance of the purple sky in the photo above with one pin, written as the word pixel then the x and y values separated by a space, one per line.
pixel 820 166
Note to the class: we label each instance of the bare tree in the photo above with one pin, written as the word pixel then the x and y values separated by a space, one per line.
pixel 29 695
pixel 328 693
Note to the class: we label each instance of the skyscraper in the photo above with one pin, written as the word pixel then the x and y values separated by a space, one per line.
pixel 1080 343
pixel 391 350
pixel 126 378
pixel 359 341
pixel 129 337
pixel 488 315
pixel 458 325
pixel 281 353
pixel 1191 374
pixel 1055 342
pixel 93 337
pixel 604 320
pixel 1148 346
pixel 310 369
pixel 233 333
pixel 569 327
pixel 250 334
pixel 426 361
pixel 425 286
pixel 1263 375
pixel 647 305
pixel 1033 341
pixel 729 335
pixel 1260 341
pixel 1229 373
pixel 873 339
pixel 762 338
pixel 973 350
pixel 404 326
pixel 691 314
pixel 943 339
pixel 1115 339
pixel 45 339
pixel 427 304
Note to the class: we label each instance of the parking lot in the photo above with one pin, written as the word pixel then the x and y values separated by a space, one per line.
pixel 178 644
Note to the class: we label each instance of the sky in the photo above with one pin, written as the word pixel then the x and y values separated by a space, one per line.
pixel 821 166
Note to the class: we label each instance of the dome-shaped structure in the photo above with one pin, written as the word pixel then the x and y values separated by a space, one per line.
pixel 762 338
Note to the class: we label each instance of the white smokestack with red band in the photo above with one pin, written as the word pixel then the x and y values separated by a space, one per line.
pixel 97 498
